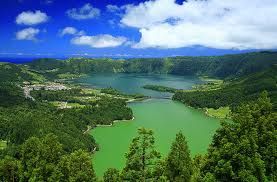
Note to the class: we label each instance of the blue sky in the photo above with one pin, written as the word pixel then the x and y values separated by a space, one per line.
pixel 54 28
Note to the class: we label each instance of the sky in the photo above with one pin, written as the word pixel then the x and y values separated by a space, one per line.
pixel 135 28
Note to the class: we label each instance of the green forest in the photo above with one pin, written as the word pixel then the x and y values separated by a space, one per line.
pixel 42 142
pixel 233 91
pixel 160 88
pixel 244 150
pixel 218 66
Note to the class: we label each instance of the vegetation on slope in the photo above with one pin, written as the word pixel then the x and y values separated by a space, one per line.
pixel 43 142
pixel 115 92
pixel 216 66
pixel 160 88
pixel 18 73
pixel 242 150
pixel 222 112
pixel 26 123
pixel 245 149
pixel 43 159
pixel 233 92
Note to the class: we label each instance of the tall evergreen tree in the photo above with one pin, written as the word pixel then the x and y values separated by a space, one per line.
pixel 112 175
pixel 76 166
pixel 178 163
pixel 141 157
pixel 245 149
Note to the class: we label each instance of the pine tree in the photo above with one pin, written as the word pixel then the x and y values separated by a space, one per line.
pixel 141 158
pixel 112 175
pixel 245 149
pixel 76 166
pixel 178 163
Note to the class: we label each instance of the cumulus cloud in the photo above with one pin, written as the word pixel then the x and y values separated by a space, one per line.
pixel 99 41
pixel 27 34
pixel 112 8
pixel 219 24
pixel 71 31
pixel 31 18
pixel 85 12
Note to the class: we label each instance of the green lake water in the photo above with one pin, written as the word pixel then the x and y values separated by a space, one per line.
pixel 164 116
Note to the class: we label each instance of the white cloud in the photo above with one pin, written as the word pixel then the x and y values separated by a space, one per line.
pixel 27 34
pixel 85 12
pixel 99 41
pixel 116 10
pixel 31 18
pixel 71 31
pixel 112 8
pixel 219 24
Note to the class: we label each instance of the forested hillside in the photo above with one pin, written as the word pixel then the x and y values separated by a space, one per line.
pixel 243 150
pixel 217 66
pixel 224 66
pixel 44 136
pixel 234 92
pixel 36 135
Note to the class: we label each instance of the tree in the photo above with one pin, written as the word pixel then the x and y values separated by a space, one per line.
pixel 178 162
pixel 112 175
pixel 245 149
pixel 76 166
pixel 39 157
pixel 9 169
pixel 259 118
pixel 141 158
pixel 160 172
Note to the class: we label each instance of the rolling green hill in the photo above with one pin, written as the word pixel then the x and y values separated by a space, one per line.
pixel 246 75
pixel 234 91
pixel 216 66
pixel 37 136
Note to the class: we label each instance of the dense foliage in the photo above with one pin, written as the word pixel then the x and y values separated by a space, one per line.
pixel 34 119
pixel 178 163
pixel 141 158
pixel 233 92
pixel 49 144
pixel 11 76
pixel 10 94
pixel 218 66
pixel 17 73
pixel 160 88
pixel 112 175
pixel 115 92
pixel 242 150
pixel 105 111
pixel 43 159
pixel 45 143
pixel 245 149
pixel 56 95
pixel 224 66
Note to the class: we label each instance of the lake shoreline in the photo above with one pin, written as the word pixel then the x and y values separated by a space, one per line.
pixel 158 112
pixel 115 121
